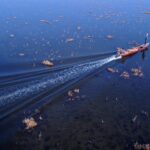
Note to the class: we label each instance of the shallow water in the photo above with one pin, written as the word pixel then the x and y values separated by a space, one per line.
pixel 25 41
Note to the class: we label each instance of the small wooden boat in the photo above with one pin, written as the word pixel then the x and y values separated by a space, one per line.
pixel 126 53
pixel 134 50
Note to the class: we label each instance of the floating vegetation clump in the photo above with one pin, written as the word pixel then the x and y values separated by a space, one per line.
pixel 137 72
pixel 30 123
pixel 112 70
pixel 125 75
pixel 47 63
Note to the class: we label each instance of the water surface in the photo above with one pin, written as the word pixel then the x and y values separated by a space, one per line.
pixel 102 116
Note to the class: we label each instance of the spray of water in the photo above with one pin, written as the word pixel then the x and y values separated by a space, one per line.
pixel 13 94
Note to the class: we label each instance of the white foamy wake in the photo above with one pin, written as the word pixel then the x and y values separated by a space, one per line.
pixel 14 94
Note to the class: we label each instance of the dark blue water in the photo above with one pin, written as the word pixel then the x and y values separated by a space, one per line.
pixel 25 41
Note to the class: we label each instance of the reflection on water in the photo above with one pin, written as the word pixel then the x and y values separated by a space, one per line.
pixel 143 55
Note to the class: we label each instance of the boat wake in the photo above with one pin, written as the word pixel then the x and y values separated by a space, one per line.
pixel 22 92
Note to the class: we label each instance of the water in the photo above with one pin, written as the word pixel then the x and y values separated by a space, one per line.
pixel 23 91
pixel 39 41
pixel 25 42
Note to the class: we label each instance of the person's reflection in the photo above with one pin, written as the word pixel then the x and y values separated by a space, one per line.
pixel 143 55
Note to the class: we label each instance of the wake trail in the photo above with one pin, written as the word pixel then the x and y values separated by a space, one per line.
pixel 12 79
pixel 26 90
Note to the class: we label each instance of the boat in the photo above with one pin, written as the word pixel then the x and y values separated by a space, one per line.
pixel 134 50
pixel 129 52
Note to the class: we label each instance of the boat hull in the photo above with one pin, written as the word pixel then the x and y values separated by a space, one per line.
pixel 135 50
